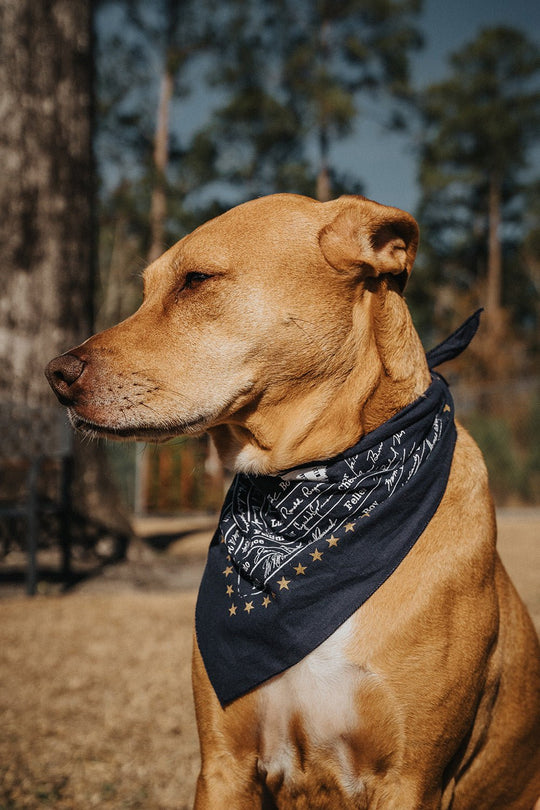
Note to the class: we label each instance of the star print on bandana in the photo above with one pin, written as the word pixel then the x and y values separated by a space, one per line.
pixel 332 541
pixel 297 553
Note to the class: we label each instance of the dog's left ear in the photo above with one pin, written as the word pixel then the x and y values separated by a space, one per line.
pixel 370 239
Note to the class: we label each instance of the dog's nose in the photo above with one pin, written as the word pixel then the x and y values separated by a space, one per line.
pixel 62 373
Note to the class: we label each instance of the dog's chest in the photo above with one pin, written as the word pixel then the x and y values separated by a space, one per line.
pixel 310 719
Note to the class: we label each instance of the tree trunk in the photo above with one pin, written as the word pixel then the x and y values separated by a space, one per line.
pixel 46 194
pixel 324 185
pixel 158 216
pixel 47 228
pixel 324 182
pixel 494 319
pixel 158 207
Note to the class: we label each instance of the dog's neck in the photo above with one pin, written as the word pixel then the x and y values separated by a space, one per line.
pixel 316 422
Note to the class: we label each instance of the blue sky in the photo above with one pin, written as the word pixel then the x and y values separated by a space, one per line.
pixel 386 162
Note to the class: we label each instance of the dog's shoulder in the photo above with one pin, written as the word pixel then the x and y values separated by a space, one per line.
pixel 467 497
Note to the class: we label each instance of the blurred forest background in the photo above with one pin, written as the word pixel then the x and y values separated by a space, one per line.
pixel 127 123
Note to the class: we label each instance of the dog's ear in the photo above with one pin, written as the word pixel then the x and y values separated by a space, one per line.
pixel 371 239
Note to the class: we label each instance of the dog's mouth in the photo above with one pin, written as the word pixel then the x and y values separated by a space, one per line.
pixel 166 423
pixel 142 433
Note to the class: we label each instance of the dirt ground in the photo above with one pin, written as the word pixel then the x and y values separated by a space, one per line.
pixel 95 694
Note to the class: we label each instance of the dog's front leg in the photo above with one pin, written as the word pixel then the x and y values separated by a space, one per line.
pixel 221 787
pixel 229 779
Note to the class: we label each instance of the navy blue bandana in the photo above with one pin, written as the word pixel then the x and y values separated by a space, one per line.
pixel 296 554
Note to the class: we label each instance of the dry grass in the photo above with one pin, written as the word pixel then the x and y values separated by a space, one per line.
pixel 95 702
pixel 95 693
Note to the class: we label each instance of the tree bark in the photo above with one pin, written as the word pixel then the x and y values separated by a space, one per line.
pixel 46 194
pixel 47 228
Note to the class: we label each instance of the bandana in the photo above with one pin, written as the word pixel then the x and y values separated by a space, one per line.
pixel 296 554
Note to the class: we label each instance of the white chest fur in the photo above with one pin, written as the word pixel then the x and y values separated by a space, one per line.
pixel 310 712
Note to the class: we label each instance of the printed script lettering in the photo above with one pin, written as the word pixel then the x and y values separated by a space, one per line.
pixel 268 523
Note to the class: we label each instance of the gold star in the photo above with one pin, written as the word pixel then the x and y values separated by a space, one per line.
pixel 317 555
pixel 266 601
pixel 230 590
pixel 365 514
pixel 222 539
pixel 232 610
pixel 349 527
pixel 249 607
pixel 228 571
pixel 446 408
pixel 332 541
pixel 283 583
pixel 300 569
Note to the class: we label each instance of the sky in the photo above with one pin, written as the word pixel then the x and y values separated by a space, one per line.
pixel 385 162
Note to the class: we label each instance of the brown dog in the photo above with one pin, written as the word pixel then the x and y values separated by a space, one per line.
pixel 281 328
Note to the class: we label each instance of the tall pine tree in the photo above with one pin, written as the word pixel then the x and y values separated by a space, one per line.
pixel 295 72
pixel 479 126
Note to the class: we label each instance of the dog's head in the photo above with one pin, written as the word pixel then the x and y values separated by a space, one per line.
pixel 264 311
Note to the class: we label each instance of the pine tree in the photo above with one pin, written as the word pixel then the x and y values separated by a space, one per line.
pixel 295 71
pixel 479 126
pixel 136 116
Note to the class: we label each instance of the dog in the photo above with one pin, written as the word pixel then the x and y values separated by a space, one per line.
pixel 281 328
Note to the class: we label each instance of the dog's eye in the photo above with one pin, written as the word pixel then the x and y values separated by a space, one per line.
pixel 194 279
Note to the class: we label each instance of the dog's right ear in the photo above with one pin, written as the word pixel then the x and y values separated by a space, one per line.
pixel 370 239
